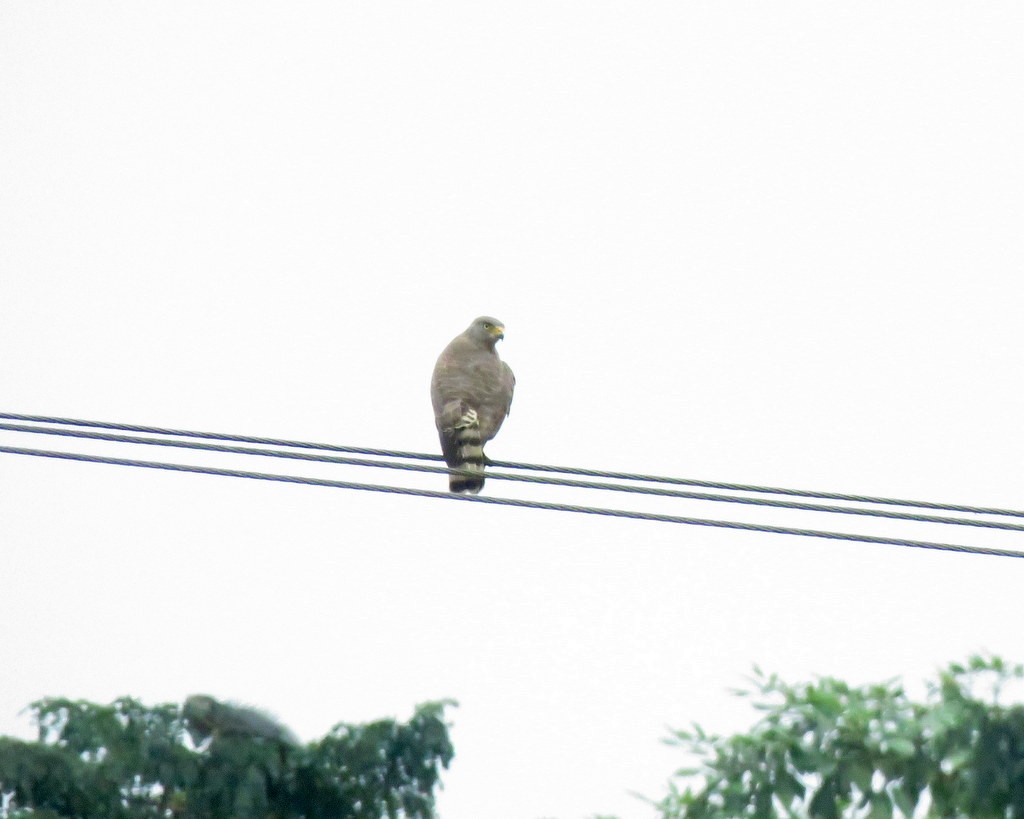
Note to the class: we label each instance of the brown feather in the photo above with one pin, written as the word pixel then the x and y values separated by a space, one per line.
pixel 471 390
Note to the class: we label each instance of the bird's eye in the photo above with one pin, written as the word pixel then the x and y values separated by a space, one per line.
pixel 487 325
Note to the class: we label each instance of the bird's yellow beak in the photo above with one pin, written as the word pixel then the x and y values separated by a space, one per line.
pixel 498 331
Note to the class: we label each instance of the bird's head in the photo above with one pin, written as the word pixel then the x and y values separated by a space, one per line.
pixel 197 712
pixel 487 330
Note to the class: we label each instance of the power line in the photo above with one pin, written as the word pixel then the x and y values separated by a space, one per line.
pixel 564 470
pixel 220 436
pixel 515 502
pixel 575 484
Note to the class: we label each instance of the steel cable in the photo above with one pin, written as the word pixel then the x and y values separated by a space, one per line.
pixel 515 502
pixel 533 479
pixel 580 472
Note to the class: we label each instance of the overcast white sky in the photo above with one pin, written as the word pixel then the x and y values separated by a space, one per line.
pixel 772 243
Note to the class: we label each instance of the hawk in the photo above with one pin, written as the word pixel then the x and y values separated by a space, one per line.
pixel 207 717
pixel 471 391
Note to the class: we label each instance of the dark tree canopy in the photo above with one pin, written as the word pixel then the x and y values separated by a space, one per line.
pixel 827 750
pixel 209 760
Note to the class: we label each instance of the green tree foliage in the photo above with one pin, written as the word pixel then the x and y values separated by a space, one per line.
pixel 826 749
pixel 211 760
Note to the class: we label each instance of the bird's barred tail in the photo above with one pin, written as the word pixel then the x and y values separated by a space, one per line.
pixel 470 449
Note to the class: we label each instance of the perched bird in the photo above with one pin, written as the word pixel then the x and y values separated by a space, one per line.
pixel 207 717
pixel 471 391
